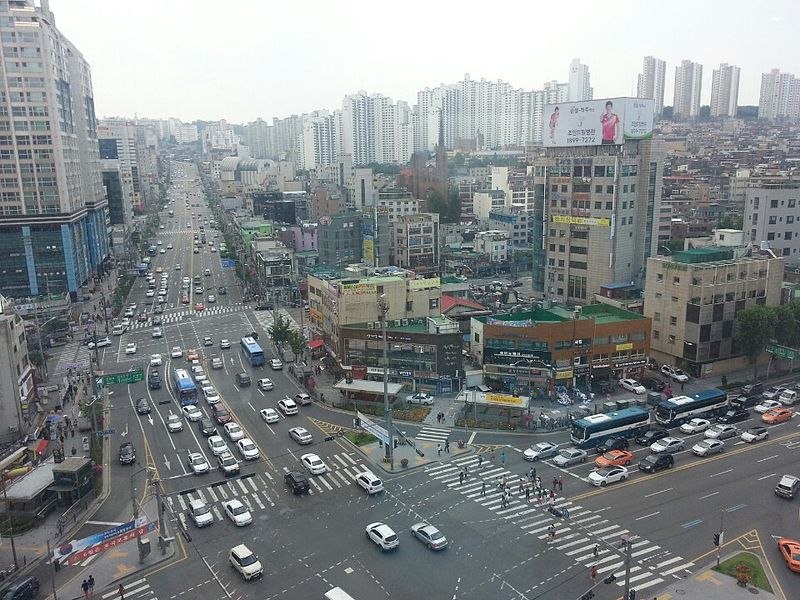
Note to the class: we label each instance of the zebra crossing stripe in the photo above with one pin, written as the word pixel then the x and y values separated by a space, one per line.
pixel 645 551
pixel 222 492
pixel 648 584
pixel 258 501
pixel 246 500
pixel 325 483
pixel 615 534
pixel 349 458
pixel 316 485
pixel 684 566
pixel 266 496
pixel 181 502
pixel 211 493
pixel 216 512
pixel 638 577
pixel 252 484
pixel 573 543
pixel 607 568
pixel 242 486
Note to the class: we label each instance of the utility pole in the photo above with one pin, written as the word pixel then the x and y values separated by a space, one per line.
pixel 628 545
pixel 10 526
pixel 383 308
pixel 52 571
pixel 162 528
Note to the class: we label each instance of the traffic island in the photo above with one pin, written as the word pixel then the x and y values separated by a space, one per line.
pixel 746 569
pixel 406 457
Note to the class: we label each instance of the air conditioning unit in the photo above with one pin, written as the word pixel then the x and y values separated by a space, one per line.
pixel 405 322
pixel 398 323
pixel 370 325
pixel 377 324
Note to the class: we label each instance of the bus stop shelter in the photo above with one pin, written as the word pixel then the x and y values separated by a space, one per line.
pixel 361 389
pixel 489 406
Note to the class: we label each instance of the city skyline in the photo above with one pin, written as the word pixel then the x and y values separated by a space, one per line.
pixel 266 68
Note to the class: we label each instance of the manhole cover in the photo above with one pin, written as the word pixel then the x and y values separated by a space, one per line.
pixel 680 592
pixel 753 590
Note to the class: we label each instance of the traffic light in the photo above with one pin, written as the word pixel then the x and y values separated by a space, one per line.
pixel 632 595
pixel 395 442
pixel 716 539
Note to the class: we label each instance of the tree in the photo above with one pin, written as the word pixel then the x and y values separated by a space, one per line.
pixel 280 330
pixel 296 342
pixel 668 113
pixel 449 210
pixel 756 327
pixel 731 222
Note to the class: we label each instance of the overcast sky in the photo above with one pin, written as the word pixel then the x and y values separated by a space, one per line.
pixel 243 59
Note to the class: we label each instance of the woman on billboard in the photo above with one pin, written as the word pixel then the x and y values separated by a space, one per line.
pixel 553 123
pixel 610 122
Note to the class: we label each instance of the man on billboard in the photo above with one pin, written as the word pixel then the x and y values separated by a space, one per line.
pixel 610 122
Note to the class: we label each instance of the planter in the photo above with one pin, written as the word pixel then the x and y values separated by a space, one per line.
pixel 404 463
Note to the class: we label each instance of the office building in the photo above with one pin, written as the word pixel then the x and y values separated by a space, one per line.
pixel 416 242
pixel 516 223
pixel 339 239
pixel 651 81
pixel 779 98
pixel 772 215
pixel 688 85
pixel 725 91
pixel 580 87
pixel 53 211
pixel 17 387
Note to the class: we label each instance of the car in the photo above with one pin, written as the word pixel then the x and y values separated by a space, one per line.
pixel 199 306
pixel 207 272
pixel 632 386
pixel 653 383
pixel 157 321
pixel 766 405
pixel 162 251
pixel 156 360
pixel 207 341
pixel 275 364
pixel 429 535
pixel 221 414
pixel 708 446
pixel 614 458
pixel 788 486
pixel 777 415
pixel 243 379
pixel 196 251
pixel 612 443
pixel 100 343
pixel 238 513
pixel 383 536
pixel 210 393
pixel 270 415
pixel 192 354
pixel 288 406
pixel 197 462
pixel 674 373
pixel 23 588
pixel 297 482
pixel 302 399
pixel 540 451
pixel 734 415
pixel 667 445
pixel 211 299
pixel 158 310
pixel 656 462
pixel 154 380
pixel 216 362
pixel 127 453
pixel 222 290
pixel 174 423
pixel 264 307
pixel 721 431
pixel 217 445
pixel 212 249
pixel 245 562
pixel 131 348
pixel 314 464
pixel 200 513
pixel 773 392
pixel 176 352
pixel 602 477
pixel 233 431
pixel 207 427
pixel 790 551
pixel 191 412
pixel 224 344
pixel 300 435
pixel 160 242
pixel 695 426
pixel 569 456
pixel 228 464
pixel 420 398
pixel 178 267
pixel 199 374
pixel 755 434
pixel 247 449
pixel 169 246
pixel 752 389
pixel 265 384
pixel 143 406
pixel 150 293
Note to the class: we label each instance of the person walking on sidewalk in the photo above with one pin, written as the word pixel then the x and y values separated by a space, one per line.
pixel 480 460
pixel 91 585
pixel 483 488
pixel 85 588
pixel 560 484
pixel 439 449
pixel 121 590
pixel 555 482
pixel 447 446
pixel 527 494
pixel 461 477
pixel 593 573
pixel 596 550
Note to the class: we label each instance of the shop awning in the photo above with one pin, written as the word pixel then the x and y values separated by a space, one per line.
pixel 313 344
pixel 41 446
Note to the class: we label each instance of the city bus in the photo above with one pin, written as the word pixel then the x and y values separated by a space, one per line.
pixel 252 351
pixel 143 268
pixel 593 430
pixel 185 389
pixel 680 409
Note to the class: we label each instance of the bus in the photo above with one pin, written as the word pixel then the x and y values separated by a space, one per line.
pixel 185 388
pixel 680 409
pixel 593 430
pixel 143 268
pixel 252 351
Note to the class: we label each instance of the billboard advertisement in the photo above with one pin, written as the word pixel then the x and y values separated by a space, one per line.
pixel 603 122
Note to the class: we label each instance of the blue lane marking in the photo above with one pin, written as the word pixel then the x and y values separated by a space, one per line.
pixel 691 524
pixel 733 508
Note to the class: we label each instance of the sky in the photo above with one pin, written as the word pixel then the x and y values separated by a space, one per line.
pixel 243 59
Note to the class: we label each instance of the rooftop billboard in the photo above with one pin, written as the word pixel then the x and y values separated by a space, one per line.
pixel 597 122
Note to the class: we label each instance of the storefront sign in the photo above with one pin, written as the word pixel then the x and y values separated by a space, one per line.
pixel 421 284
pixel 628 363
pixel 620 347
pixel 359 289
pixel 570 220
pixel 504 399
pixel 781 351
pixel 565 374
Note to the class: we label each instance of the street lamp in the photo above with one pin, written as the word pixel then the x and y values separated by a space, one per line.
pixel 383 308
pixel 41 350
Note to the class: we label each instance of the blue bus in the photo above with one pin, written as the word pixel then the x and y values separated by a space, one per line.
pixel 143 268
pixel 680 409
pixel 252 351
pixel 593 430
pixel 185 388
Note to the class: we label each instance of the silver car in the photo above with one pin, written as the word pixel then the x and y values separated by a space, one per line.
pixel 708 446
pixel 569 456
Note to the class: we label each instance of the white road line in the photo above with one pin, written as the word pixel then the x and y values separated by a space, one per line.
pixel 339 460
pixel 573 543
pixel 645 551
pixel 252 484
pixel 721 473
pixel 657 493
pixel 258 501
pixel 181 502
pixel 648 584
pixel 684 566
pixel 242 486
pixel 708 495
pixel 211 493
pixel 658 512
pixel 669 561
pixel 767 476
pixel 767 458
pixel 325 483
pixel 639 577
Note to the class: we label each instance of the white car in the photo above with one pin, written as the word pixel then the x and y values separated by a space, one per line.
pixel 420 398
pixel 569 456
pixel 755 434
pixel 217 445
pixel 169 246
pixel 288 406
pixel 101 343
pixel 197 463
pixel 766 405
pixel 773 393
pixel 300 435
pixel 224 344
pixel 383 535
pixel 243 560
pixel 667 445
pixel 131 348
pixel 178 267
pixel 238 513
pixel 276 364
pixel 211 299
pixel 248 449
pixel 265 384
pixel 150 293
pixel 674 373
pixel 270 415
pixel 155 360
pixel 176 352
pixel 429 535
pixel 174 423
pixel 540 451
pixel 708 446
pixel 192 413
pixel 162 251
pixel 695 426
pixel 632 386
pixel 157 332
pixel 211 394
pixel 602 477
pixel 233 431
pixel 314 464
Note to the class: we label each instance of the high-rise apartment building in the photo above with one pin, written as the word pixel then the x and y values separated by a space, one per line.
pixel 780 96
pixel 416 242
pixel 580 87
pixel 688 85
pixel 318 144
pixel 651 81
pixel 17 391
pixel 725 91
pixel 53 210
pixel 772 215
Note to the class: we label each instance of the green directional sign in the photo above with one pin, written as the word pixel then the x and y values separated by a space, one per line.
pixel 123 378
pixel 782 351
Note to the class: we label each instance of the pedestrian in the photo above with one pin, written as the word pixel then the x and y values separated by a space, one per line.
pixel 322 398
pixel 681 386
pixel 596 550
pixel 552 495
pixel 483 488
pixel 565 513
pixel 461 477
pixel 593 573
pixel 480 460
pixel 447 446
pixel 503 459
pixel 555 482
pixel 520 485
pixel 505 483
pixel 74 451
pixel 91 585
pixel 527 494
pixel 492 458
pixel 85 588
pixel 121 591
pixel 560 484
pixel 439 449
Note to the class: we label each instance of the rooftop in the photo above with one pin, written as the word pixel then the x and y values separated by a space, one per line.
pixel 600 313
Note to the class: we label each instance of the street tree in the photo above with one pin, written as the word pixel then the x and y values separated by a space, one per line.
pixel 755 328
pixel 280 330
pixel 296 343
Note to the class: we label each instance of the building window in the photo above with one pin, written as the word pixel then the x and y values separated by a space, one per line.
pixel 773 204
pixel 791 202
pixel 674 298
pixel 477 338
pixel 773 220
pixel 673 321
pixel 657 316
pixel 676 281
pixel 671 339
pixel 656 334
pixel 433 303
pixel 659 277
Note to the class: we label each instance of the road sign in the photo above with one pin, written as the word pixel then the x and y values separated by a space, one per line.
pixel 781 351
pixel 106 432
pixel 228 263
pixel 123 378
pixel 370 427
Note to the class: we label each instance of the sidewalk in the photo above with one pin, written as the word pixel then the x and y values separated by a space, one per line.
pixel 376 453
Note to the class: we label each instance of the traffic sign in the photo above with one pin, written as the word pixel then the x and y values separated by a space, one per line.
pixel 781 351
pixel 370 427
pixel 123 378
pixel 106 432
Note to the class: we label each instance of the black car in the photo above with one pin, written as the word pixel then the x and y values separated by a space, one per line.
pixel 154 380
pixel 746 401
pixel 650 436
pixel 653 383
pixel 734 416
pixel 243 379
pixel 753 389
pixel 22 589
pixel 297 482
pixel 656 462
pixel 127 454
pixel 265 307
pixel 612 443
pixel 207 427
pixel 143 406
pixel 221 290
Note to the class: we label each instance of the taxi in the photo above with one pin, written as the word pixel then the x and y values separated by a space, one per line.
pixel 192 354
pixel 199 306
pixel 790 550
pixel 777 415
pixel 614 458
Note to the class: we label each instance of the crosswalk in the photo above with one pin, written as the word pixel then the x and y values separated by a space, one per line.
pixel 180 315
pixel 266 319
pixel 433 434
pixel 138 590
pixel 576 536
pixel 75 356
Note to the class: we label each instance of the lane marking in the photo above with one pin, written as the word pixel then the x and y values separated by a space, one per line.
pixel 766 476
pixel 721 473
pixel 691 524
pixel 708 495
pixel 657 493
pixel 658 512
